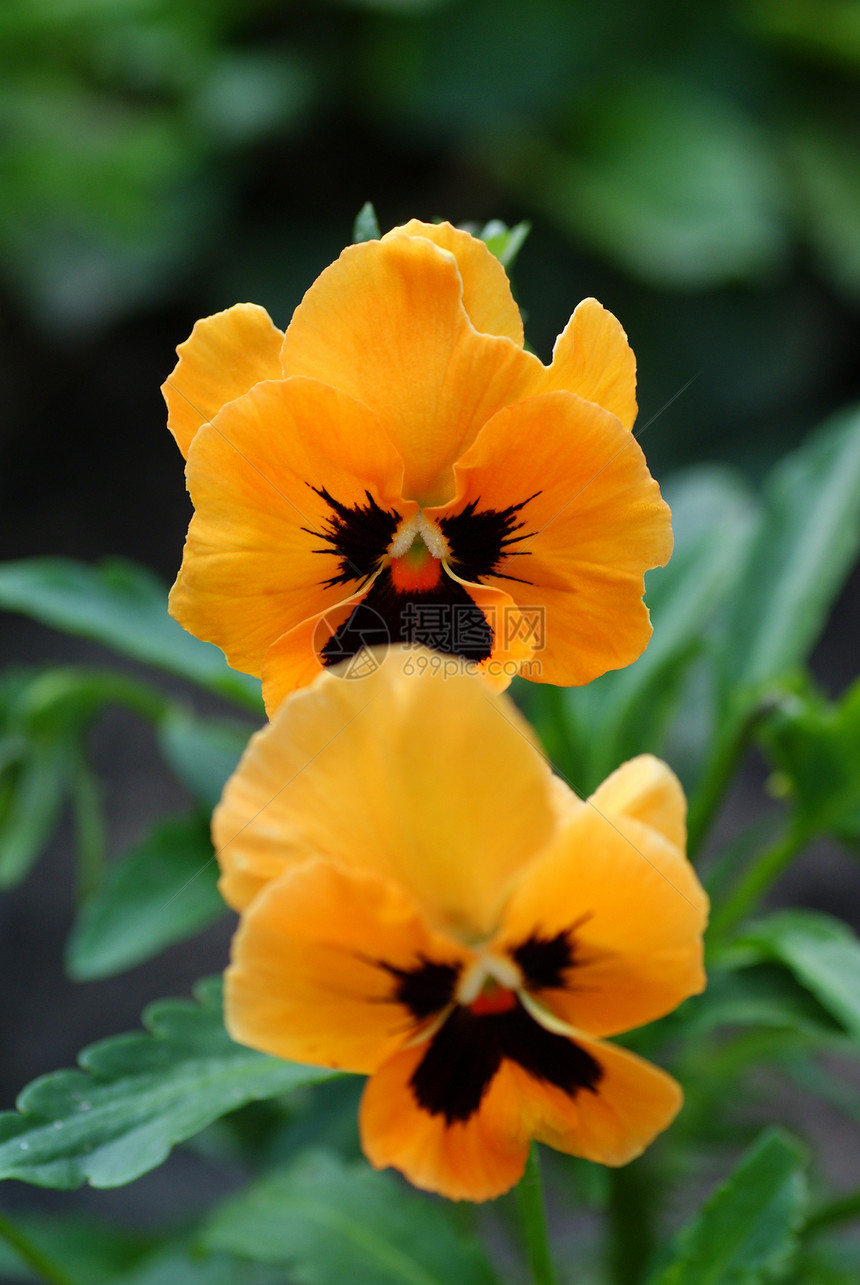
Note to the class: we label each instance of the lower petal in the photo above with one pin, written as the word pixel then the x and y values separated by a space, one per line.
pixel 475 1160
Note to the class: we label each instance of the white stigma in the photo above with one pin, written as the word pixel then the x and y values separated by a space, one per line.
pixel 497 968
pixel 417 527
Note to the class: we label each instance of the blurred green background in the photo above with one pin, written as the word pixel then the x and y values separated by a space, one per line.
pixel 696 167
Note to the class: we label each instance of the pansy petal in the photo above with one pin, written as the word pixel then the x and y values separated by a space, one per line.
pixel 593 359
pixel 607 924
pixel 647 790
pixel 257 559
pixel 294 660
pixel 386 324
pixel 478 1159
pixel 417 771
pixel 487 294
pixel 512 644
pixel 590 520
pixel 632 1102
pixel 314 972
pixel 224 357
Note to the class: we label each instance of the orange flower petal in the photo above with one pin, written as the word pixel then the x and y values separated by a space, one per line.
pixel 593 359
pixel 417 772
pixel 487 294
pixel 633 1102
pixel 386 324
pixel 632 912
pixel 308 980
pixel 593 524
pixel 476 1160
pixel 252 566
pixel 650 792
pixel 484 1156
pixel 224 356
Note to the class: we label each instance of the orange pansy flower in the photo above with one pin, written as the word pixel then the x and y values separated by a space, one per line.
pixel 397 467
pixel 424 903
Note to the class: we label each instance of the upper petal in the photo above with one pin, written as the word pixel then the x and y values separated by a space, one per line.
pixel 487 294
pixel 593 359
pixel 224 356
pixel 623 900
pixel 315 965
pixel 417 771
pixel 386 323
pixel 590 522
pixel 262 477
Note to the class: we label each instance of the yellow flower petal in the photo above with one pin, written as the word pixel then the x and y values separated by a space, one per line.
pixel 633 1102
pixel 223 358
pixel 386 324
pixel 591 523
pixel 627 905
pixel 593 359
pixel 478 1159
pixel 255 562
pixel 313 973
pixel 418 772
pixel 487 294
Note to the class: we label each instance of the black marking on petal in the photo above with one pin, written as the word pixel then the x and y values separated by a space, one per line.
pixel 426 989
pixel 359 535
pixel 544 960
pixel 443 618
pixel 480 539
pixel 465 1054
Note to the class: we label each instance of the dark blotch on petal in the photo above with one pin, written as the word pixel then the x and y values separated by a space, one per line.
pixel 359 536
pixel 480 539
pixel 443 618
pixel 466 1052
pixel 424 990
pixel 543 960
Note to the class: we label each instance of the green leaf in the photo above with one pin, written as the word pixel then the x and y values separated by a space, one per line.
pixel 747 1229
pixel 366 226
pixel 815 746
pixel 202 752
pixel 762 995
pixel 805 545
pixel 30 800
pixel 89 1250
pixel 137 1096
pixel 627 712
pixel 183 1265
pixel 504 242
pixel 823 954
pixel 163 890
pixel 122 606
pixel 330 1222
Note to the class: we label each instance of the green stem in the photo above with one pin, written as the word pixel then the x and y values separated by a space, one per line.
pixel 631 1240
pixel 836 1211
pixel 713 784
pixel 533 1221
pixel 763 872
pixel 33 1256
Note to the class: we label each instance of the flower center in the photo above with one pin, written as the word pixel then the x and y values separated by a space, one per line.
pixel 416 554
pixel 489 984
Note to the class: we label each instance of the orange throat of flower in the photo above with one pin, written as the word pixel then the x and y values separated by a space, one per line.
pixel 493 999
pixel 417 570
